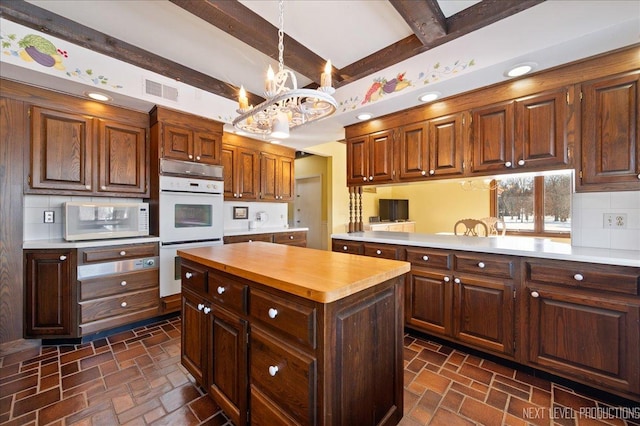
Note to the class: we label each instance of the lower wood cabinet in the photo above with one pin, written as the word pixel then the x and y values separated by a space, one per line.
pixel 582 321
pixel 466 297
pixel 50 311
pixel 267 357
pixel 578 320
pixel 71 293
pixel 292 238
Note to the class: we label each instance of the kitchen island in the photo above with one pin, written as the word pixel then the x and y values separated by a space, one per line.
pixel 283 335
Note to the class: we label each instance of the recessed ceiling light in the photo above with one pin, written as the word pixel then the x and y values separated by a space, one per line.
pixel 520 69
pixel 98 96
pixel 364 116
pixel 429 97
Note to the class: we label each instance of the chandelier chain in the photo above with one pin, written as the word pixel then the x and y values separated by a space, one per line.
pixel 281 36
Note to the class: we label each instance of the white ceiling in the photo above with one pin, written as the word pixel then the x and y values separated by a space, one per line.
pixel 549 34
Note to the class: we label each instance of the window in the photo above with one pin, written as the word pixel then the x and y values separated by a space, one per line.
pixel 534 205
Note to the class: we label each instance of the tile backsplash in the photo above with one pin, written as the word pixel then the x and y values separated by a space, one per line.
pixel 34 227
pixel 275 215
pixel 588 220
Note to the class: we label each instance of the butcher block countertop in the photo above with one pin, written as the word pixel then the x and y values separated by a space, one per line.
pixel 318 275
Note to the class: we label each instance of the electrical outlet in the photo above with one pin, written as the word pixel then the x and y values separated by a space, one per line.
pixel 49 216
pixel 615 220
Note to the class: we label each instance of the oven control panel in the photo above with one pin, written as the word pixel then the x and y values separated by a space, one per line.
pixel 184 184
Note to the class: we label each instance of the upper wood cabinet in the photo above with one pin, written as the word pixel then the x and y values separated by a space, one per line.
pixel 445 150
pixel 122 158
pixel 528 133
pixel 276 177
pixel 610 115
pixel 61 150
pixel 186 137
pixel 241 172
pixel 77 153
pixel 370 159
pixel 255 170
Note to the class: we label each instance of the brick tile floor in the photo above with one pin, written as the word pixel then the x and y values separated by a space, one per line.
pixel 135 378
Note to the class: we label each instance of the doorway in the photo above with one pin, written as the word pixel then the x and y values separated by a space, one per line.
pixel 307 209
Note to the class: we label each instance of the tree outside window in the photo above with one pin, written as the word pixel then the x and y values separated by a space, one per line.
pixel 534 205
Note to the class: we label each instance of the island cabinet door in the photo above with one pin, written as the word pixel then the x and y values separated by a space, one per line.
pixel 581 334
pixel 429 301
pixel 194 335
pixel 227 358
pixel 483 311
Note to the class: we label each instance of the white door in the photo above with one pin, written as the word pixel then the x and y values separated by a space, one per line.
pixel 307 209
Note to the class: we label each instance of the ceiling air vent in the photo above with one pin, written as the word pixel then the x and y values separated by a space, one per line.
pixel 154 88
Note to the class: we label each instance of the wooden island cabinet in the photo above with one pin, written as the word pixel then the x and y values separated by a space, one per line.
pixel 284 335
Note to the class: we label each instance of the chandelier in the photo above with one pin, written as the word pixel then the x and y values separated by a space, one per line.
pixel 285 107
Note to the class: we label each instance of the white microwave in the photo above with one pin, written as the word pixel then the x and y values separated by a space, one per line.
pixel 97 221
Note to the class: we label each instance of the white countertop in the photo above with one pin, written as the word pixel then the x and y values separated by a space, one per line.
pixel 510 245
pixel 57 243
pixel 261 230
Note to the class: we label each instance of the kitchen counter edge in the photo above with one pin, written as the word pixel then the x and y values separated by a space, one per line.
pixel 509 245
pixel 60 243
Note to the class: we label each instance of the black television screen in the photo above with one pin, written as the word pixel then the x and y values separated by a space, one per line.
pixel 393 210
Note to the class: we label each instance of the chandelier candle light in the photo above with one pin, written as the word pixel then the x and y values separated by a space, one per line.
pixel 285 107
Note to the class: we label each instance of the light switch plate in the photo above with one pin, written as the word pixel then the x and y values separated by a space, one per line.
pixel 615 220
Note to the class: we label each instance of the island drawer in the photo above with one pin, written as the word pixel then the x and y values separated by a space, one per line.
pixel 91 288
pixel 295 320
pixel 429 258
pixel 228 292
pixel 294 237
pixel 128 251
pixel 285 375
pixel 343 246
pixel 118 305
pixel 384 251
pixel 193 276
pixel 618 279
pixel 485 264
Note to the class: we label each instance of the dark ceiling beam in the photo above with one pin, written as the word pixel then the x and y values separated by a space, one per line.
pixel 468 20
pixel 424 17
pixel 42 20
pixel 242 23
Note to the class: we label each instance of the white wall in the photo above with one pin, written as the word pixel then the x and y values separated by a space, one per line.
pixel 276 215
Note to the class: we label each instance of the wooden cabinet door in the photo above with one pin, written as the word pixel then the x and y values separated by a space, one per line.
pixel 194 336
pixel 177 142
pixel 381 157
pixel 541 129
pixel 241 172
pixel 286 181
pixel 358 161
pixel 492 138
pixel 227 358
pixel 61 150
pixel 248 167
pixel 122 159
pixel 207 147
pixel 483 312
pixel 445 145
pixel 585 335
pixel 229 161
pixel 610 132
pixel 50 310
pixel 268 176
pixel 414 152
pixel 429 302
